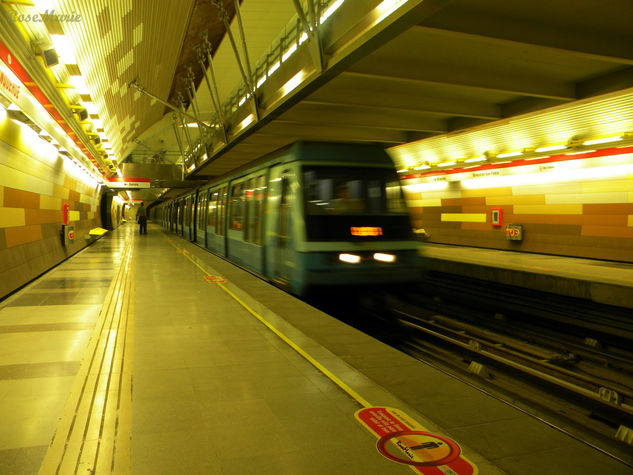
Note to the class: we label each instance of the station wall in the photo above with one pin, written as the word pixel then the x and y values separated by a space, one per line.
pixel 35 183
pixel 589 219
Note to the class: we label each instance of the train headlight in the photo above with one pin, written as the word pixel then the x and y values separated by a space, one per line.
pixel 349 258
pixel 379 256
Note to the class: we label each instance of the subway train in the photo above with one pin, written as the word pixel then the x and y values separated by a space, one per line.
pixel 309 216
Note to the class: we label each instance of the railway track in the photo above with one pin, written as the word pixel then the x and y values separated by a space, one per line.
pixel 567 362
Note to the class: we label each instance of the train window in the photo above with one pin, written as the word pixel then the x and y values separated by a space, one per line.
pixel 219 229
pixel 258 208
pixel 351 191
pixel 249 220
pixel 201 210
pixel 212 208
pixel 236 210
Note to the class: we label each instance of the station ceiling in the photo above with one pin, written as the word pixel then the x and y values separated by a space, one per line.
pixel 462 66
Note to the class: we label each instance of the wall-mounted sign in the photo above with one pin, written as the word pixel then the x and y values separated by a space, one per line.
pixel 496 216
pixel 9 87
pixel 514 232
pixel 128 183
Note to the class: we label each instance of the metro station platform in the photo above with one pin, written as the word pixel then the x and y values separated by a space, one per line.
pixel 149 355
pixel 601 281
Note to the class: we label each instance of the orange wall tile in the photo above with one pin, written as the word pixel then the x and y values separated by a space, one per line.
pixel 23 234
pixel 21 199
pixel 41 216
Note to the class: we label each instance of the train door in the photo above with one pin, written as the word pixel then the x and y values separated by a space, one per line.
pixel 284 258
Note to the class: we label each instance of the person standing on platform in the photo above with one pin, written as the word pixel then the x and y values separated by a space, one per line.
pixel 141 218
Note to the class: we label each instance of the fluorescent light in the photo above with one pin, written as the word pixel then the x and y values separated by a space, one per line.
pixel 331 9
pixel 602 140
pixel 250 118
pixel 422 167
pixel 289 52
pixel 274 68
pixel 79 84
pixel 379 256
pixel 476 159
pixel 90 107
pixel 349 258
pixel 64 49
pixel 403 170
pixel 430 186
pixel 292 83
pixel 446 164
pixel 509 154
pixel 551 148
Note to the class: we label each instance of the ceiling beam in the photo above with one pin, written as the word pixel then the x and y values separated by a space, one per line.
pixel 352 93
pixel 360 116
pixel 333 133
pixel 588 42
pixel 458 75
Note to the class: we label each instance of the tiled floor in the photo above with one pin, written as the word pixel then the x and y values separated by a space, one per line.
pixel 211 389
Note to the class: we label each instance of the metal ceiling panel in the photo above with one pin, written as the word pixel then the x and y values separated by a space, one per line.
pixel 117 42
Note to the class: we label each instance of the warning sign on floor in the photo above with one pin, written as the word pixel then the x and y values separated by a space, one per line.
pixel 405 441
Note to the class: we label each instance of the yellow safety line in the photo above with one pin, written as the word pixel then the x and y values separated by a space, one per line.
pixel 361 400
pixel 93 418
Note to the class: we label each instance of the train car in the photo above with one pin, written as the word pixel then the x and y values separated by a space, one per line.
pixel 308 216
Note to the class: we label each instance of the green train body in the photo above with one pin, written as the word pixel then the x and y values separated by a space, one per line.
pixel 310 215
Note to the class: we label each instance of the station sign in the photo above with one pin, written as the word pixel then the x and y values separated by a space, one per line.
pixel 128 183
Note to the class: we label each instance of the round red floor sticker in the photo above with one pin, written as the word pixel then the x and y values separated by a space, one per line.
pixel 404 440
pixel 216 279
pixel 418 448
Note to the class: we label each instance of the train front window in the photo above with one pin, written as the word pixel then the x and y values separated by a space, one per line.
pixel 351 203
pixel 351 191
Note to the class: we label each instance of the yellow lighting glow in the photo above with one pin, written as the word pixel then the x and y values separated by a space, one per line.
pixel 602 140
pixel 476 159
pixel 331 9
pixel 79 84
pixel 349 258
pixel 446 164
pixel 551 148
pixel 509 154
pixel 566 172
pixel 289 52
pixel 379 256
pixel 64 49
pixel 292 83
pixel 250 118
pixel 432 186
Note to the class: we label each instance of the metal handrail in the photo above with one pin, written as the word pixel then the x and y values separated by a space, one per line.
pixel 289 36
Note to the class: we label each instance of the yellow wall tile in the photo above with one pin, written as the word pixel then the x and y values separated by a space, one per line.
pixel 425 203
pixel 589 198
pixel 630 200
pixel 630 220
pixel 60 192
pixel 607 186
pixel 464 217
pixel 48 202
pixel 73 216
pixel 552 188
pixel 12 217
pixel 548 209
pixel 1 196
pixel 506 191
pixel 444 194
pixel 515 200
pixel 12 178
